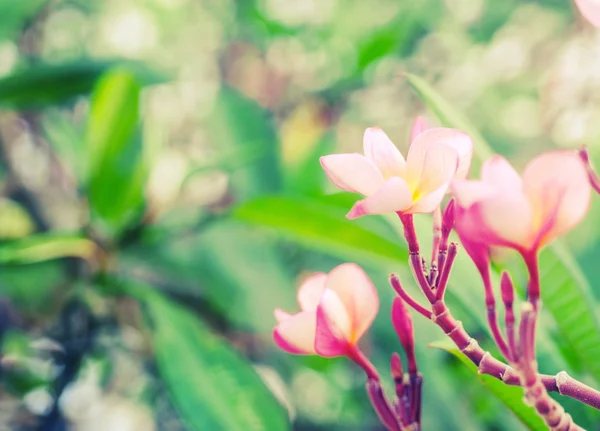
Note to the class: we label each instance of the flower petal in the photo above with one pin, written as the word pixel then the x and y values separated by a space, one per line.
pixel 455 139
pixel 352 172
pixel 508 220
pixel 297 333
pixel 557 185
pixel 439 166
pixel 311 291
pixel 334 328
pixel 590 9
pixel 468 226
pixel 419 126
pixel 381 151
pixel 429 202
pixel 281 315
pixel 358 295
pixel 497 172
pixel 393 196
pixel 469 192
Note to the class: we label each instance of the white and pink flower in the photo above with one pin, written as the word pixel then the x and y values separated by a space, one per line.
pixel 393 184
pixel 505 210
pixel 336 311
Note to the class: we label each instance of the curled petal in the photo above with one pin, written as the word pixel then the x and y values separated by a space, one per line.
pixel 394 195
pixel 311 291
pixel 497 172
pixel 469 192
pixel 419 126
pixel 358 296
pixel 296 334
pixel 383 153
pixel 457 140
pixel 352 172
pixel 590 9
pixel 556 184
pixel 334 327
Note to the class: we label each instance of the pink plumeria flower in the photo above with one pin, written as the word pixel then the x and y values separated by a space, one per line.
pixel 336 311
pixel 590 9
pixel 390 183
pixel 505 210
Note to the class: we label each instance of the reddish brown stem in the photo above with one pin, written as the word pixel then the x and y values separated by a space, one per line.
pixel 536 394
pixel 533 288
pixel 507 290
pixel 490 302
pixel 381 406
pixel 403 404
pixel 395 282
pixel 562 383
pixel 445 274
pixel 356 355
pixel 409 233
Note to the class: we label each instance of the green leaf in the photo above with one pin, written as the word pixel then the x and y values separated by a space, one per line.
pixel 43 247
pixel 448 115
pixel 44 84
pixel 237 124
pixel 566 294
pixel 323 228
pixel 211 385
pixel 510 396
pixel 116 167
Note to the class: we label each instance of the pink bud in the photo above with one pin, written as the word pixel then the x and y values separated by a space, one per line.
pixel 396 367
pixel 336 311
pixel 448 218
pixel 507 289
pixel 404 328
pixel 392 184
pixel 525 214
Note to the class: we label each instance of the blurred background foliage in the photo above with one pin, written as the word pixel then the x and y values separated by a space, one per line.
pixel 161 195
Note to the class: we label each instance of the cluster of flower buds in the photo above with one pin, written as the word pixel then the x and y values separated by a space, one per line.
pixel 502 210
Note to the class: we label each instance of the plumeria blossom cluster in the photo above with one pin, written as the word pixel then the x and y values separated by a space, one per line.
pixel 502 210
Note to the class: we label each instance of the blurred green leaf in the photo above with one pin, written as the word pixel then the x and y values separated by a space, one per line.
pixel 42 247
pixel 448 115
pixel 211 385
pixel 510 396
pixel 233 268
pixel 567 295
pixel 565 291
pixel 14 15
pixel 117 167
pixel 306 176
pixel 238 123
pixel 397 36
pixel 16 221
pixel 32 287
pixel 44 84
pixel 22 375
pixel 323 228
